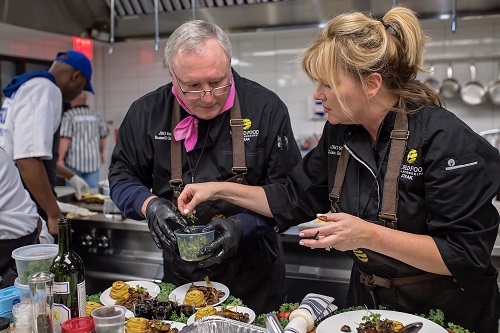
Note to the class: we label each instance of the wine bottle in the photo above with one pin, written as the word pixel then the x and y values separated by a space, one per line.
pixel 69 279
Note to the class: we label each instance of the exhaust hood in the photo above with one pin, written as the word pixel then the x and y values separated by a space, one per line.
pixel 135 19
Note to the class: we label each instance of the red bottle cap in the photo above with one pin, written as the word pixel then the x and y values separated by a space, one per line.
pixel 78 325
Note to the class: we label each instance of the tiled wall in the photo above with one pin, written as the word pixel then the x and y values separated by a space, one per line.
pixel 134 68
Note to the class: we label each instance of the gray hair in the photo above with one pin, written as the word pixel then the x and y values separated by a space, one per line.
pixel 190 37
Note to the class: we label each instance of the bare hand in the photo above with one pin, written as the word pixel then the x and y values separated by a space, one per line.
pixel 52 226
pixel 194 194
pixel 346 232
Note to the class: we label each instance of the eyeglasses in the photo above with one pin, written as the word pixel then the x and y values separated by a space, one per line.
pixel 197 94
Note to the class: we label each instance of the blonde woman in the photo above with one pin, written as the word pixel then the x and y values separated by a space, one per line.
pixel 406 184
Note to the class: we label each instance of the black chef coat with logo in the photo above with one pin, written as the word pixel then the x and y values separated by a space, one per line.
pixel 448 178
pixel 257 272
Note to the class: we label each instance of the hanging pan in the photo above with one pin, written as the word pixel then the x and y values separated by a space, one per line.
pixel 450 88
pixel 473 92
pixel 494 89
pixel 431 82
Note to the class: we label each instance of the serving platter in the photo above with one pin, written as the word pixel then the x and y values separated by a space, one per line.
pixel 242 309
pixel 152 288
pixel 354 318
pixel 180 292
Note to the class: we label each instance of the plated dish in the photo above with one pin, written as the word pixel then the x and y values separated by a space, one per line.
pixel 180 292
pixel 354 318
pixel 152 288
pixel 175 324
pixel 242 309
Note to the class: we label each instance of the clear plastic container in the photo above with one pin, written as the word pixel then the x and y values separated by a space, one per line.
pixel 110 210
pixel 32 259
pixel 109 319
pixel 23 289
pixel 191 243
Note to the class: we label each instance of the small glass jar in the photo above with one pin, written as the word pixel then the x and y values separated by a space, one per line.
pixel 78 325
pixel 23 317
pixel 4 325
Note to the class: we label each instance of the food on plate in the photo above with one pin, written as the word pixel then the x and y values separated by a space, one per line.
pixel 153 309
pixel 134 295
pixel 210 294
pixel 91 306
pixel 195 297
pixel 204 312
pixel 136 325
pixel 157 326
pixel 346 328
pixel 240 316
pixel 373 324
pixel 93 198
pixel 226 313
pixel 119 290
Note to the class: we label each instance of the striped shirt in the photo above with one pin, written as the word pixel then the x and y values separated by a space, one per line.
pixel 85 128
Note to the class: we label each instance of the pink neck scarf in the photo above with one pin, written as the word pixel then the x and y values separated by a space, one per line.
pixel 187 129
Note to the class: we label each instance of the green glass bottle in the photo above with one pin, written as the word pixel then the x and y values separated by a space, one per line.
pixel 69 279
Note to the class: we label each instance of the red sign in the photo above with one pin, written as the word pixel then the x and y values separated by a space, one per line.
pixel 84 45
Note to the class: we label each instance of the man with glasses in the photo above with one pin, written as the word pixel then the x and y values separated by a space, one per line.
pixel 209 124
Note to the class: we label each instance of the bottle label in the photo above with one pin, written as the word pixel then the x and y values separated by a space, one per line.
pixel 82 299
pixel 61 287
pixel 60 314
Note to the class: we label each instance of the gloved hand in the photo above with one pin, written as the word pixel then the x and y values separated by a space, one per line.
pixel 163 217
pixel 79 185
pixel 229 231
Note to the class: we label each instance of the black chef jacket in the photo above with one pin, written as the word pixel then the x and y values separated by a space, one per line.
pixel 448 179
pixel 142 156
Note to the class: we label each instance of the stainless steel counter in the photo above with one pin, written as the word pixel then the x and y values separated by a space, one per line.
pixel 123 250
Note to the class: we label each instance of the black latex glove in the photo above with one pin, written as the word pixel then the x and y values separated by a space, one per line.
pixel 228 232
pixel 163 218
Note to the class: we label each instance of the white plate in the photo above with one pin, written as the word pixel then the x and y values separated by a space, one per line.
pixel 353 319
pixel 242 309
pixel 129 314
pixel 180 292
pixel 175 324
pixel 152 288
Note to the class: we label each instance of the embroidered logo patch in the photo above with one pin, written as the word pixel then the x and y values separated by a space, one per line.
pixel 247 123
pixel 360 255
pixel 412 156
pixel 218 216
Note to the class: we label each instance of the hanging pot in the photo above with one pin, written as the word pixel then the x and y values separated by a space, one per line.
pixel 473 92
pixel 450 87
pixel 494 89
pixel 431 82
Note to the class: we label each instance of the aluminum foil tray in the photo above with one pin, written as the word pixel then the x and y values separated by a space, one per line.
pixel 216 324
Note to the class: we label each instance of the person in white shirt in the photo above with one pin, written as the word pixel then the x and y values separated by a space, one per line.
pixel 20 223
pixel 29 127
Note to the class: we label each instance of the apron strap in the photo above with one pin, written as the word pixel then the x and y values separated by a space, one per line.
pixel 236 123
pixel 373 281
pixel 38 231
pixel 339 180
pixel 399 137
pixel 176 155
